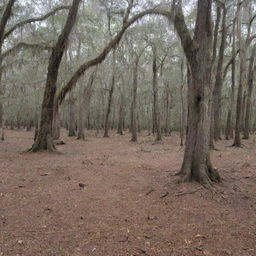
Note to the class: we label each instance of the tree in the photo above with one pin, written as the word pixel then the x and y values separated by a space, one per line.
pixel 44 140
pixel 196 163
pixel 134 123
pixel 21 45
pixel 251 72
pixel 156 112
pixel 217 92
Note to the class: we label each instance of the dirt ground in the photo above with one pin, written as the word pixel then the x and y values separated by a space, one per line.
pixel 111 197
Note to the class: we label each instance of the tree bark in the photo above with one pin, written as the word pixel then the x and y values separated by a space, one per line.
pixel 44 140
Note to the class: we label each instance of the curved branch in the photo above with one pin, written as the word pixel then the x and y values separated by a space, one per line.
pixel 111 45
pixel 25 22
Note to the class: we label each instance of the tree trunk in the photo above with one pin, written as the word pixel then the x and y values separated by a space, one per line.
pixel 217 92
pixel 44 140
pixel 3 21
pixel 229 125
pixel 84 106
pixel 167 129
pixel 251 72
pixel 110 97
pixel 196 163
pixel 242 80
pixel 56 123
pixel 121 116
pixel 182 111
pixel 71 119
pixel 156 113
pixel 134 124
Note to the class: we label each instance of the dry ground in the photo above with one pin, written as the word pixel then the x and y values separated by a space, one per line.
pixel 127 203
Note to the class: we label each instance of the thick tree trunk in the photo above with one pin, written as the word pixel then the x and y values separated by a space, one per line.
pixel 110 97
pixel 196 163
pixel 44 140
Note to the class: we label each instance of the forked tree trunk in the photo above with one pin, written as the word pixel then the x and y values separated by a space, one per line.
pixel 196 163
pixel 44 140
pixel 110 97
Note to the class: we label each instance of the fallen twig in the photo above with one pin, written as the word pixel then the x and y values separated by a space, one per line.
pixel 150 191
pixel 164 195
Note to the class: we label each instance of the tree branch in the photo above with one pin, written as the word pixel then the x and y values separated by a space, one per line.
pixel 111 45
pixel 44 17
pixel 183 31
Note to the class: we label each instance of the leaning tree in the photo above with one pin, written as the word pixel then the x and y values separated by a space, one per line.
pixel 44 139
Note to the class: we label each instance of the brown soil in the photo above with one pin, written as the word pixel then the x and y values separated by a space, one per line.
pixel 112 197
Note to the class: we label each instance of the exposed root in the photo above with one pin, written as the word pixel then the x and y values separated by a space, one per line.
pixel 206 175
pixel 43 144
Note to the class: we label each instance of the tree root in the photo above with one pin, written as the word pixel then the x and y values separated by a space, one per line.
pixel 43 144
pixel 206 175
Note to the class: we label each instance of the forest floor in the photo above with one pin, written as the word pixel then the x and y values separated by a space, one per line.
pixel 112 197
